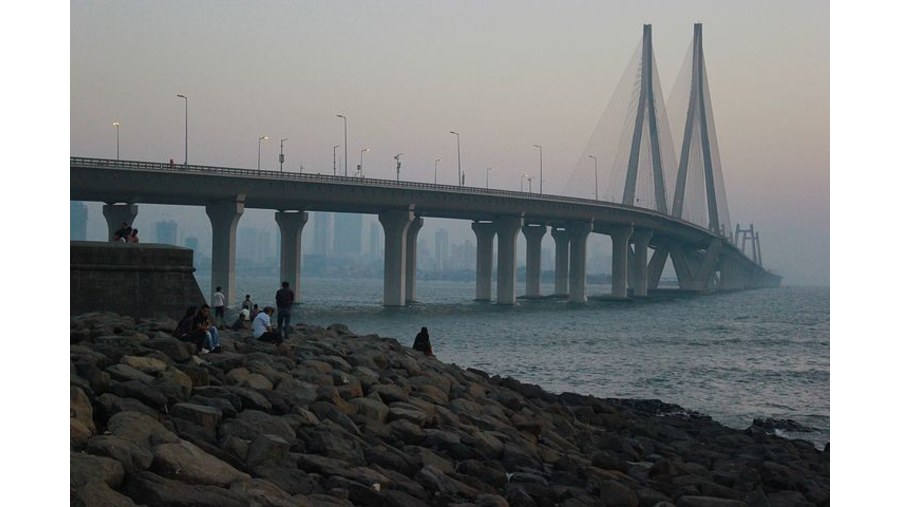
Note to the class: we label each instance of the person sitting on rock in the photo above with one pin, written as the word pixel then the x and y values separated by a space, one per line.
pixel 262 327
pixel 121 235
pixel 186 324
pixel 423 343
pixel 205 335
pixel 242 320
pixel 133 237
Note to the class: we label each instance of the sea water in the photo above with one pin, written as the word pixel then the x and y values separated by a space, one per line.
pixel 734 356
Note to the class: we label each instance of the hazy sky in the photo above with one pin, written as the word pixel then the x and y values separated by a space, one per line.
pixel 506 75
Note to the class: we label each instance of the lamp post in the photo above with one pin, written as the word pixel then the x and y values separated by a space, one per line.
pixel 522 182
pixel 259 151
pixel 360 168
pixel 596 187
pixel 397 158
pixel 185 127
pixel 116 124
pixel 281 157
pixel 345 142
pixel 529 184
pixel 487 177
pixel 435 169
pixel 458 161
pixel 541 175
pixel 334 158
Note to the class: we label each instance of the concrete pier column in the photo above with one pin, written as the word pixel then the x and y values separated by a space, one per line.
pixel 224 216
pixel 484 259
pixel 291 223
pixel 620 237
pixel 578 234
pixel 116 214
pixel 641 239
pixel 533 235
pixel 412 237
pixel 561 237
pixel 395 223
pixel 507 232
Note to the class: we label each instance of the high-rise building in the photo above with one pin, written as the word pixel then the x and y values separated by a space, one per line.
pixel 194 244
pixel 323 237
pixel 347 235
pixel 441 249
pixel 167 232
pixel 77 221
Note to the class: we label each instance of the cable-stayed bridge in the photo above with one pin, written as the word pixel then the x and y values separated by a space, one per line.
pixel 652 201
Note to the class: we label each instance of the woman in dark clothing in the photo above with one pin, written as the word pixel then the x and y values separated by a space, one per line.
pixel 186 324
pixel 423 342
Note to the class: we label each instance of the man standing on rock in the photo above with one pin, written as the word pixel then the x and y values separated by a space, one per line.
pixel 284 298
pixel 219 305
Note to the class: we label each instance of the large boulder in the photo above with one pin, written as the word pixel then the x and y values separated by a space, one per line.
pixel 185 462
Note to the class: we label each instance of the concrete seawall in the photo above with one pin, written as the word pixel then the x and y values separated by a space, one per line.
pixel 143 280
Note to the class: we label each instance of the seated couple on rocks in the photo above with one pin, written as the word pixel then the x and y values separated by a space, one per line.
pixel 195 327
pixel 262 327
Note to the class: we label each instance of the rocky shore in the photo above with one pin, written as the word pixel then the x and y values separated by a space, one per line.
pixel 331 418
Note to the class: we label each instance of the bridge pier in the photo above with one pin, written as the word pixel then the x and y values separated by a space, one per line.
pixel 412 237
pixel 561 237
pixel 224 216
pixel 695 269
pixel 291 226
pixel 484 258
pixel 641 240
pixel 534 233
pixel 395 223
pixel 508 228
pixel 657 264
pixel 578 234
pixel 620 237
pixel 116 214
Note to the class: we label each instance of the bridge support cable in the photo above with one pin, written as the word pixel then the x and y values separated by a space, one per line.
pixel 395 223
pixel 561 266
pixel 118 214
pixel 534 234
pixel 508 228
pixel 484 258
pixel 290 225
pixel 224 217
pixel 631 148
pixel 412 238
pixel 699 195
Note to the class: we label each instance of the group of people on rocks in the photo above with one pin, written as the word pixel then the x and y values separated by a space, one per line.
pixel 199 327
pixel 125 234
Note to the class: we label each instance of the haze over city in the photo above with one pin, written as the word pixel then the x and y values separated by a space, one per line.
pixel 505 75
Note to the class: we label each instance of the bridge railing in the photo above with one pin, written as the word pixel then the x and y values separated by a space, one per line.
pixel 357 180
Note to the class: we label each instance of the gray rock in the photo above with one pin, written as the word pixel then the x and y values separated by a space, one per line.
pixel 250 423
pixel 153 490
pixel 140 429
pixel 141 391
pixel 201 415
pixel 132 456
pixel 85 468
pixel 267 448
pixel 708 501
pixel 188 463
pixel 96 493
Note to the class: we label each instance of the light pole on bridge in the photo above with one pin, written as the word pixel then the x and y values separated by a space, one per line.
pixel 541 175
pixel 259 151
pixel 435 169
pixel 458 161
pixel 345 142
pixel 487 177
pixel 397 158
pixel 360 168
pixel 334 159
pixel 116 124
pixel 281 157
pixel 185 127
pixel 596 187
pixel 529 184
pixel 522 182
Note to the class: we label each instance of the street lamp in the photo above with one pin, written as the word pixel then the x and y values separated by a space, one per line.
pixel 435 169
pixel 596 187
pixel 360 168
pixel 487 177
pixel 258 151
pixel 185 127
pixel 541 175
pixel 529 184
pixel 334 158
pixel 458 161
pixel 522 182
pixel 281 157
pixel 397 158
pixel 345 142
pixel 116 124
